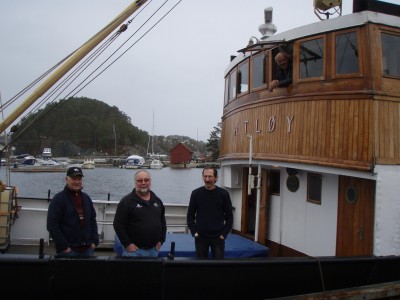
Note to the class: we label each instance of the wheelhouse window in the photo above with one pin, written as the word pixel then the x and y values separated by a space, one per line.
pixel 258 70
pixel 226 98
pixel 390 54
pixel 314 188
pixel 312 58
pixel 243 78
pixel 346 53
pixel 232 85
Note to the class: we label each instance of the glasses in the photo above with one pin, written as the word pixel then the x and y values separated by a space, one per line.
pixel 142 180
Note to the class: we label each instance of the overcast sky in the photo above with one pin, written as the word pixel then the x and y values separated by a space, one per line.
pixel 175 71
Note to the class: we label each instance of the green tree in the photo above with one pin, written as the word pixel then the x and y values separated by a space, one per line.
pixel 214 141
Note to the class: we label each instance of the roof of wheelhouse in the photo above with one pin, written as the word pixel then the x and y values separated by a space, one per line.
pixel 328 25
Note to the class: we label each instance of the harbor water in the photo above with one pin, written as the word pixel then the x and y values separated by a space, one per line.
pixel 171 185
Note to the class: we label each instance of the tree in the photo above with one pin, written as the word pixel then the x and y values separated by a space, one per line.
pixel 214 141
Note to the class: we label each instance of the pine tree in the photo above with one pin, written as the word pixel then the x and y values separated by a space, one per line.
pixel 213 142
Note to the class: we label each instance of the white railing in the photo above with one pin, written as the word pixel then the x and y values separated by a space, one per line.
pixel 30 224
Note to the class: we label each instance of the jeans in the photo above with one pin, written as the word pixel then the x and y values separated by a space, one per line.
pixel 152 252
pixel 217 246
pixel 87 253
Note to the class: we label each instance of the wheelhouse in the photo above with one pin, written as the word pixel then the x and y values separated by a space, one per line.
pixel 310 165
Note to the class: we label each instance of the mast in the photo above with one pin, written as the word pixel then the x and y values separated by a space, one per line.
pixel 70 63
pixel 152 137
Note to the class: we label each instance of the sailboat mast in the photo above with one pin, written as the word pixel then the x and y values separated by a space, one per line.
pixel 152 137
pixel 70 63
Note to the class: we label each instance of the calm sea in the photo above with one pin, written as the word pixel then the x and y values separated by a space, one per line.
pixel 171 185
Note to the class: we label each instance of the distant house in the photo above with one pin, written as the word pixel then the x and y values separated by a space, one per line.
pixel 180 154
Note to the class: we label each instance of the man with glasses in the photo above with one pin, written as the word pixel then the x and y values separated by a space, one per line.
pixel 139 220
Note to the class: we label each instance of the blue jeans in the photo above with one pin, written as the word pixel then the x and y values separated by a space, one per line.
pixel 152 252
pixel 87 253
pixel 217 246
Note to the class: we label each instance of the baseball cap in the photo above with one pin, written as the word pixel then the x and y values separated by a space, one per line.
pixel 74 171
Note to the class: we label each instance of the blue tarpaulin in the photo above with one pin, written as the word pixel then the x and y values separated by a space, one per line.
pixel 236 246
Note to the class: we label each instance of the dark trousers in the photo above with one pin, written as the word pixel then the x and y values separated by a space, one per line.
pixel 203 244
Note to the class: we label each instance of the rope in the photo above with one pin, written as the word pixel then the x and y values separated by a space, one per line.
pixel 320 272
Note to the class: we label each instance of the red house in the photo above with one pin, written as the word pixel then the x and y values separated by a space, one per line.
pixel 180 154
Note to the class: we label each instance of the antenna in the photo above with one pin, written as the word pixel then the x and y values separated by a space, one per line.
pixel 327 8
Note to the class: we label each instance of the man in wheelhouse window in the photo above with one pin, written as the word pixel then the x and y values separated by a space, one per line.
pixel 283 76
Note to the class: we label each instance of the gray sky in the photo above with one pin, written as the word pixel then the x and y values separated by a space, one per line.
pixel 175 71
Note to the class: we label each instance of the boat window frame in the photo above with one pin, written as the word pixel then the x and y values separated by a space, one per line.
pixel 266 56
pixel 312 186
pixel 297 61
pixel 232 72
pixel 226 92
pixel 275 182
pixel 360 72
pixel 238 78
pixel 390 32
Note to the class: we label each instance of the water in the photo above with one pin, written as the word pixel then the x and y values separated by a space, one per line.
pixel 171 185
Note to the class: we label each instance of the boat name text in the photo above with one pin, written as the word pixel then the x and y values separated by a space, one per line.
pixel 271 125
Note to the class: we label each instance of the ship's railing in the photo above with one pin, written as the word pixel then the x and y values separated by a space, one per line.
pixel 30 225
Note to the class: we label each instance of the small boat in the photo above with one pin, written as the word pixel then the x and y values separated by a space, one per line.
pixel 46 154
pixel 88 164
pixel 134 162
pixel 32 164
pixel 156 164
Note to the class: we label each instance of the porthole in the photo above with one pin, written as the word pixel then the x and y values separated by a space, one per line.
pixel 292 183
pixel 351 194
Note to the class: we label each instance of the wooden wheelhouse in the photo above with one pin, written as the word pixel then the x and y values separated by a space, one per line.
pixel 333 134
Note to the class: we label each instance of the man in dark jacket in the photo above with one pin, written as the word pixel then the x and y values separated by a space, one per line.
pixel 139 220
pixel 283 75
pixel 71 218
pixel 209 216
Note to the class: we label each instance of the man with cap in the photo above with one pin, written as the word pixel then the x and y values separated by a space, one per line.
pixel 71 218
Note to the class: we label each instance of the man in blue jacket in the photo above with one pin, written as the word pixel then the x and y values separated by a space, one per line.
pixel 71 218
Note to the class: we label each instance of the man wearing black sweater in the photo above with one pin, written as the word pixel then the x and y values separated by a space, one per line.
pixel 209 216
pixel 139 220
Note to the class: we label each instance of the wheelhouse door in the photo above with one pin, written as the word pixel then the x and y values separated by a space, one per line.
pixel 355 216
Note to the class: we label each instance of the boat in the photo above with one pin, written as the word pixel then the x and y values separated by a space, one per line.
pixel 32 164
pixel 47 154
pixel 312 161
pixel 156 164
pixel 134 162
pixel 311 169
pixel 88 164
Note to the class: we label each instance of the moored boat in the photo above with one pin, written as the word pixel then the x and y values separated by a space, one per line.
pixel 88 164
pixel 33 164
pixel 156 164
pixel 311 166
pixel 134 162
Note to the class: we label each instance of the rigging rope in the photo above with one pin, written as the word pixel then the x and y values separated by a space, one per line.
pixel 83 66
